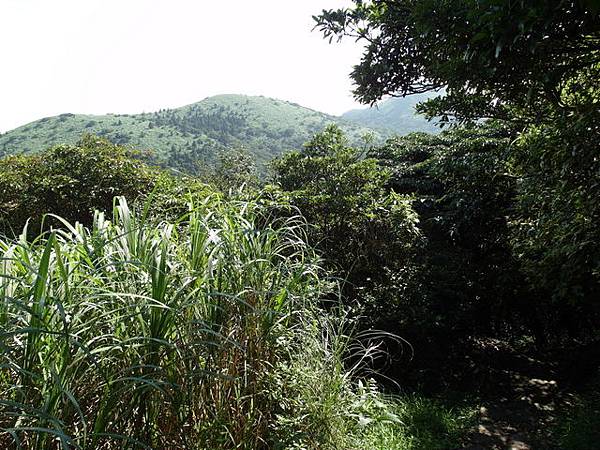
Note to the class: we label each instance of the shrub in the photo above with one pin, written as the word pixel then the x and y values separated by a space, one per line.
pixel 70 180
pixel 464 279
pixel 359 226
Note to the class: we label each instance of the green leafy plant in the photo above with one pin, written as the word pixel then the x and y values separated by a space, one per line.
pixel 70 180
pixel 139 333
pixel 357 223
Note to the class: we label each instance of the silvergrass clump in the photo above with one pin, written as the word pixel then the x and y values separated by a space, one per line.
pixel 135 334
pixel 201 333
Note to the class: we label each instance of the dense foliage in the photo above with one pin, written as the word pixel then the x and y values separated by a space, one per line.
pixel 149 329
pixel 417 228
pixel 217 313
pixel 465 278
pixel 70 180
pixel 203 333
pixel 534 66
pixel 359 225
pixel 490 55
pixel 234 169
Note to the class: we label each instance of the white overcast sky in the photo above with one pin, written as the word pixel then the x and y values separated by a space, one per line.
pixel 130 56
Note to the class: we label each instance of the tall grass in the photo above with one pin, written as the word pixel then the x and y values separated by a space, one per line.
pixel 200 333
pixel 135 334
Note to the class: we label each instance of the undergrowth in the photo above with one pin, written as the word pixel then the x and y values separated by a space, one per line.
pixel 205 332
pixel 579 428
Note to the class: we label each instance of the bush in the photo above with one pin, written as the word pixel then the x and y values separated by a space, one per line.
pixel 358 225
pixel 70 180
pixel 464 279
pixel 133 331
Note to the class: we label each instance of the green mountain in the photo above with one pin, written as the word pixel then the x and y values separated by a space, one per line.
pixel 179 137
pixel 394 114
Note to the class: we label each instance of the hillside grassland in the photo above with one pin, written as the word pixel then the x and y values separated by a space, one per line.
pixel 184 137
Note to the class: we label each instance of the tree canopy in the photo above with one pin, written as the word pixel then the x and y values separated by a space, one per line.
pixel 489 55
pixel 70 180
pixel 535 67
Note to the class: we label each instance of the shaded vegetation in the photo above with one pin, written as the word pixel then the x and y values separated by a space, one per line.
pixel 533 67
pixel 579 428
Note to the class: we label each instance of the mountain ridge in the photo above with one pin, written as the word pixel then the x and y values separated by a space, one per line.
pixel 180 137
pixel 396 114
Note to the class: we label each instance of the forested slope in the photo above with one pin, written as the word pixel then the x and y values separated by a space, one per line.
pixel 180 137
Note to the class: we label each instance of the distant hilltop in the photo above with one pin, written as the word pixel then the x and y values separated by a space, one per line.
pixel 177 138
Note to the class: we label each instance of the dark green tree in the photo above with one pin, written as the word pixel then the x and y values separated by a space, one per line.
pixel 491 56
pixel 70 181
pixel 534 65
pixel 364 231
pixel 466 280
pixel 234 169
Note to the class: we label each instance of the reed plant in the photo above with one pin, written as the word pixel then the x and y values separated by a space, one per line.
pixel 138 334
pixel 203 332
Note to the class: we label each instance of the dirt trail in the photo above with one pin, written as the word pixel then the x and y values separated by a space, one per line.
pixel 520 398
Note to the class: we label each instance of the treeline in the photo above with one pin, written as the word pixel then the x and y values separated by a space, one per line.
pixel 431 234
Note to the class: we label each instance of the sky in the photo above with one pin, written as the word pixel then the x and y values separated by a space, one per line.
pixel 132 56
